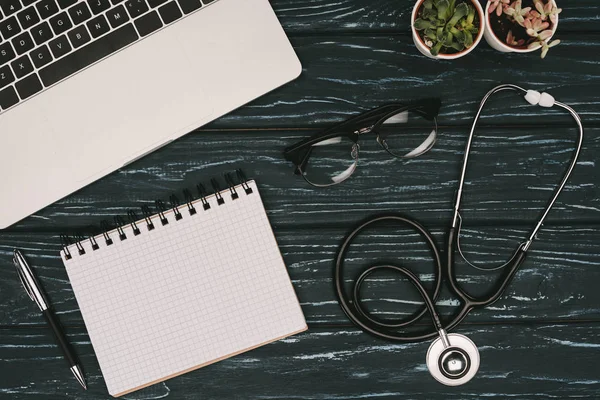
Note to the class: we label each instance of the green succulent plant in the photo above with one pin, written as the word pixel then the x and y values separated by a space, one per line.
pixel 447 26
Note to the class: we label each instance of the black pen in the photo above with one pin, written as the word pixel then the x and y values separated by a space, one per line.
pixel 35 292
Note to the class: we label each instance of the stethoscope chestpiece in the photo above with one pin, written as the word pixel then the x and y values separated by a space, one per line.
pixel 452 359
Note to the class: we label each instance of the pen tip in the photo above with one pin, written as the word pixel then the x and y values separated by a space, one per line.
pixel 79 375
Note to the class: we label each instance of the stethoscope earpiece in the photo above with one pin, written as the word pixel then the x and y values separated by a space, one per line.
pixel 452 359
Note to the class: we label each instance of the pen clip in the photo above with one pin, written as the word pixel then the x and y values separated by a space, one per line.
pixel 19 263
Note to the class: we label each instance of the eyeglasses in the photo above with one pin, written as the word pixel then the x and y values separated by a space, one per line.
pixel 403 130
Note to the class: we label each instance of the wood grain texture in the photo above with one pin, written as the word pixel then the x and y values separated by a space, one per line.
pixel 557 282
pixel 512 174
pixel 321 16
pixel 516 362
pixel 538 342
pixel 389 68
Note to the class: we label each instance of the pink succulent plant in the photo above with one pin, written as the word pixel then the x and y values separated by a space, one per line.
pixel 511 41
pixel 518 13
pixel 544 45
pixel 538 23
pixel 548 10
pixel 498 6
pixel 535 26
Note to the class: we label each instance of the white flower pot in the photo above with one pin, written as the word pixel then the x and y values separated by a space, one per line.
pixel 425 50
pixel 499 44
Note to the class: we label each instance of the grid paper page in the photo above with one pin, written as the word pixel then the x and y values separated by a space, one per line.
pixel 185 294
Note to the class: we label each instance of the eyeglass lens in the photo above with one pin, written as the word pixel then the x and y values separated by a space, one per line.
pixel 407 134
pixel 331 161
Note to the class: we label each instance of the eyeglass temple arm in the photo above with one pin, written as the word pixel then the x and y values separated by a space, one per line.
pixel 349 126
pixel 301 166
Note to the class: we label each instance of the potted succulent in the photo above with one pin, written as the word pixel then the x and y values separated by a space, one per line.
pixel 447 29
pixel 522 26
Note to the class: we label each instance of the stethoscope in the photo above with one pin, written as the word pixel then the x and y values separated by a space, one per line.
pixel 452 359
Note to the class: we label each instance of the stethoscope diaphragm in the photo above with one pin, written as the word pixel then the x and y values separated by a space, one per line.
pixel 455 364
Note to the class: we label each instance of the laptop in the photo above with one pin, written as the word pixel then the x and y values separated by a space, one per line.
pixel 87 87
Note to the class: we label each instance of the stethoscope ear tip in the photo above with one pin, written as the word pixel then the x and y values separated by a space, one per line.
pixel 453 365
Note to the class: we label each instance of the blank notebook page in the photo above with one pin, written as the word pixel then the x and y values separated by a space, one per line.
pixel 185 294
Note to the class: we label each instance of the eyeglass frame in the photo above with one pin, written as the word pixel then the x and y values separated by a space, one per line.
pixel 367 122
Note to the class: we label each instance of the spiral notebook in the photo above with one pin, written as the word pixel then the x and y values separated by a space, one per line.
pixel 183 288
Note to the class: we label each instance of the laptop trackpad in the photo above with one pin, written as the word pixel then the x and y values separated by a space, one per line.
pixel 127 105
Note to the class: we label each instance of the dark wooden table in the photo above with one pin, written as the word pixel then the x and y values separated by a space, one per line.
pixel 540 341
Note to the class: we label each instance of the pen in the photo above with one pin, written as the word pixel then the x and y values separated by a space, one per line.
pixel 35 292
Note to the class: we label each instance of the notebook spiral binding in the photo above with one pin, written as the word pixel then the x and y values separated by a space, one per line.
pixel 160 209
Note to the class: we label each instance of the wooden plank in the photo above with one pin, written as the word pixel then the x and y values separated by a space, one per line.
pixel 557 282
pixel 346 74
pixel 525 362
pixel 511 177
pixel 357 55
pixel 309 16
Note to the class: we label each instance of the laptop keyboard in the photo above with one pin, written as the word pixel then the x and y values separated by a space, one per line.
pixel 45 41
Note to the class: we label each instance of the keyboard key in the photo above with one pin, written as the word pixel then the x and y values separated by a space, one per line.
pixel 8 97
pixel 170 12
pixel 79 36
pixel 148 23
pixel 115 2
pixel 155 3
pixel 29 86
pixel 66 3
pixel 136 7
pixel 40 56
pixel 189 5
pixel 10 7
pixel 61 23
pixel 98 6
pixel 28 2
pixel 28 17
pixel 98 26
pixel 88 55
pixel 10 27
pixel 46 8
pixel 6 76
pixel 22 66
pixel 117 16
pixel 6 53
pixel 41 33
pixel 80 13
pixel 23 43
pixel 60 46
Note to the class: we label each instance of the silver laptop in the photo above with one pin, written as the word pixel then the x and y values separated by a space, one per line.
pixel 87 87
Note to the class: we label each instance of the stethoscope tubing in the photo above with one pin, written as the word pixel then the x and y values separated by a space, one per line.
pixel 359 317
pixel 568 172
pixel 354 311
pixel 463 172
pixel 353 308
